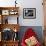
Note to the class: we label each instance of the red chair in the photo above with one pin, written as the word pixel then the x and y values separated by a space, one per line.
pixel 29 33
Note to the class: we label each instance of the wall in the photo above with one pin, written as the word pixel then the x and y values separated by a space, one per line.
pixel 39 13
pixel 27 4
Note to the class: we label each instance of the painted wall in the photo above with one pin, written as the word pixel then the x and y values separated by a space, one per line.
pixel 39 13
pixel 27 4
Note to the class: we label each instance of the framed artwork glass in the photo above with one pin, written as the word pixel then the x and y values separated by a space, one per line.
pixel 5 12
pixel 29 13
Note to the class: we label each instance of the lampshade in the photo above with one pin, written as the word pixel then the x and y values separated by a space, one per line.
pixel 15 30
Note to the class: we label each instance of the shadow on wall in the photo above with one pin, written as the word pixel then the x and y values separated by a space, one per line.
pixel 37 29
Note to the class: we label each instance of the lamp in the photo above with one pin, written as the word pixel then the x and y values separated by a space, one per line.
pixel 15 37
pixel 15 3
pixel 15 30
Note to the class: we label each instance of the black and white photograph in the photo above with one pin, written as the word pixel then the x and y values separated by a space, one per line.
pixel 29 13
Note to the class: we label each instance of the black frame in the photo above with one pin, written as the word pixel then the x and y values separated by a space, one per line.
pixel 29 13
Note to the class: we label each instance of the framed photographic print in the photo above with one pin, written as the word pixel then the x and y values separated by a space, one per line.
pixel 13 12
pixel 29 13
pixel 5 12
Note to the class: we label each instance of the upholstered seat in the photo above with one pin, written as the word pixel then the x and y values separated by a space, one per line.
pixel 29 36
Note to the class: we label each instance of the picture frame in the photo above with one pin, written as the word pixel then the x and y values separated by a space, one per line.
pixel 5 12
pixel 29 13
pixel 13 12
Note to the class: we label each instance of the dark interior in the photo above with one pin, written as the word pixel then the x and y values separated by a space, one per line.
pixel 9 35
